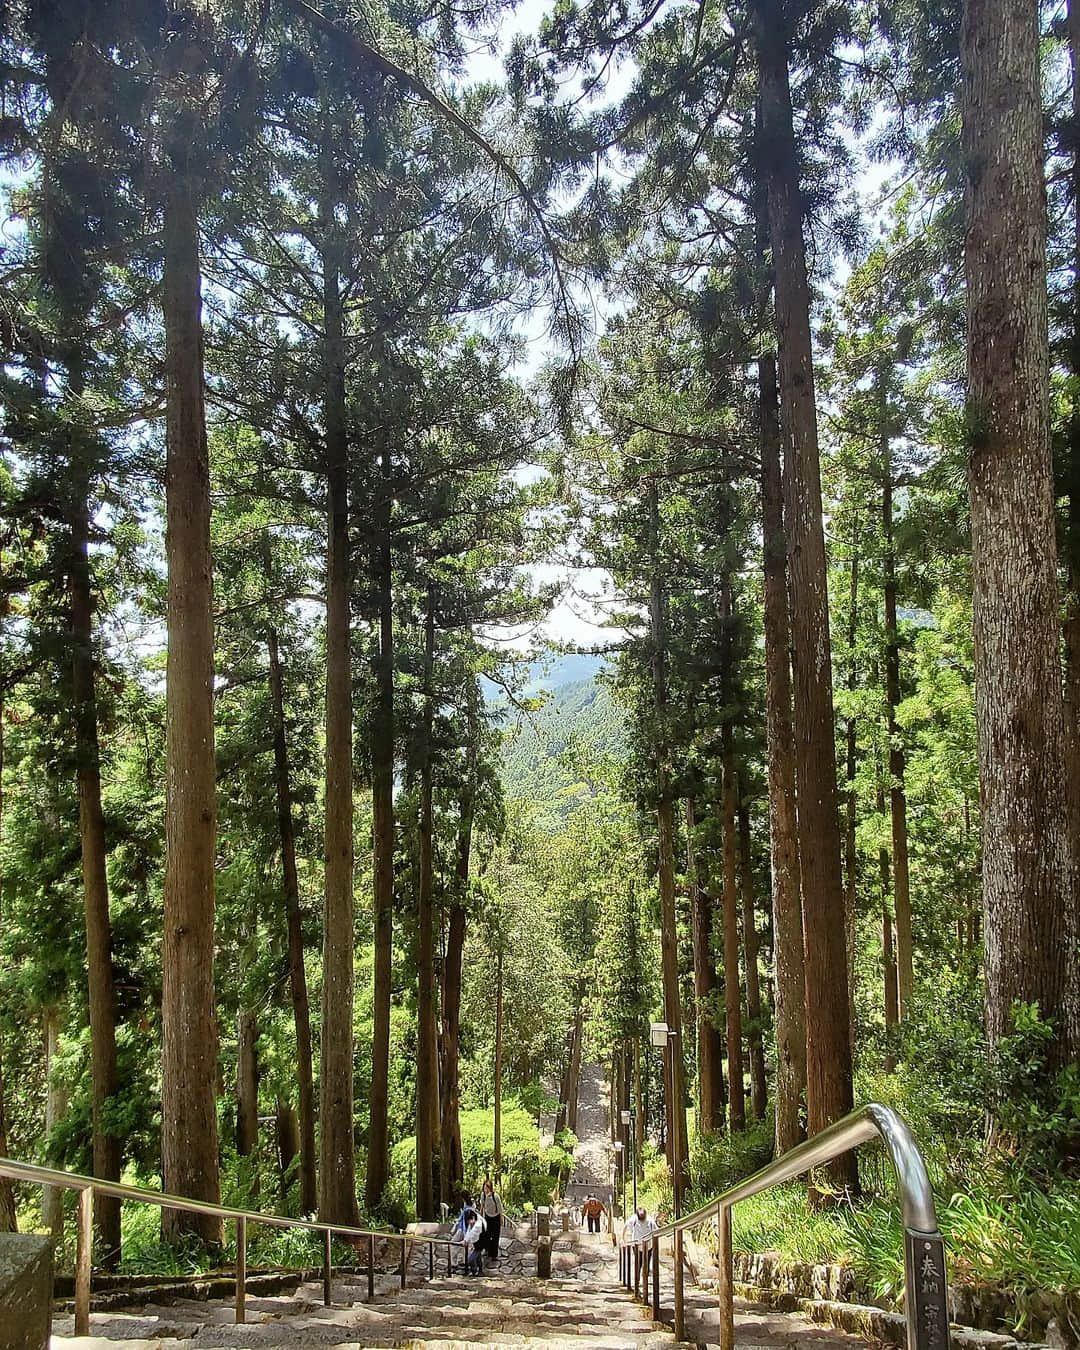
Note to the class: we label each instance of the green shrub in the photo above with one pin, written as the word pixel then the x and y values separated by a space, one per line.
pixel 717 1161
pixel 528 1176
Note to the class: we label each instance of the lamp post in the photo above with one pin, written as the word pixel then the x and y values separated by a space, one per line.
pixel 628 1117
pixel 620 1172
pixel 664 1039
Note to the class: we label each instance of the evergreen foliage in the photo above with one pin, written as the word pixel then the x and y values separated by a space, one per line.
pixel 304 437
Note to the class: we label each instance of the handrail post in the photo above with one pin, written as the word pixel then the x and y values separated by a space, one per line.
pixel 656 1277
pixel 241 1267
pixel 84 1240
pixel 327 1266
pixel 371 1267
pixel 449 1259
pixel 639 1262
pixel 431 1260
pixel 680 1328
pixel 726 1283
pixel 403 1261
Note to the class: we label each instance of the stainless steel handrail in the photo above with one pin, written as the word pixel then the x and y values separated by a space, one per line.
pixel 88 1187
pixel 925 1303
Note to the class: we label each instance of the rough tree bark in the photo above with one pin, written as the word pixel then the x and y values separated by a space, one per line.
pixel 497 1144
pixel 788 987
pixel 427 1070
pixel 758 1088
pixel 828 1047
pixel 710 1051
pixel 189 1137
pixel 1029 872
pixel 305 1086
pixel 666 844
pixel 851 860
pixel 1071 622
pixel 789 984
pixel 287 1136
pixel 905 961
pixel 337 1165
pixel 732 983
pixel 101 988
pixel 8 1220
pixel 891 987
pixel 382 796
pixel 247 1091
pixel 56 1105
pixel 452 1164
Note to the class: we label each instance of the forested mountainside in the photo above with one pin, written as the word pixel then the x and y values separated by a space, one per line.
pixel 548 752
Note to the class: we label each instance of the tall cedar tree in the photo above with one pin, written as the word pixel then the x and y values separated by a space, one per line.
pixel 189 1136
pixel 1029 872
pixel 829 1092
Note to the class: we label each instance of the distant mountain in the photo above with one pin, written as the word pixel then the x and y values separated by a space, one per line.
pixel 552 670
pixel 545 750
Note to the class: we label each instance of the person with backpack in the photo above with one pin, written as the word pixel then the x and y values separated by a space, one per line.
pixel 592 1210
pixel 491 1211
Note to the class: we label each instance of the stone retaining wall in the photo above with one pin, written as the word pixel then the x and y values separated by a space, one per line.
pixel 983 1315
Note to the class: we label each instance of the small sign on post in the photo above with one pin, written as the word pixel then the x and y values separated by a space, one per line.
pixel 926 1291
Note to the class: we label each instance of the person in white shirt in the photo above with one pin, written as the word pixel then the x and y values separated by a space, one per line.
pixel 474 1242
pixel 639 1228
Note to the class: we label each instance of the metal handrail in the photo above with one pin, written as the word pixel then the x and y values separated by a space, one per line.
pixel 925 1304
pixel 88 1187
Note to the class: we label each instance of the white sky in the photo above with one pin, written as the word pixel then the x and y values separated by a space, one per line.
pixel 578 617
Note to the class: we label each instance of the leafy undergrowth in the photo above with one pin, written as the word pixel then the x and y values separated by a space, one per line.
pixel 1009 1210
pixel 1019 1240
pixel 528 1174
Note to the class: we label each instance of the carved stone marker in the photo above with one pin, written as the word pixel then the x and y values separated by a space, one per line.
pixel 26 1274
pixel 543 1243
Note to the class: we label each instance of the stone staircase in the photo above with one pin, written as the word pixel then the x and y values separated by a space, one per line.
pixel 582 1305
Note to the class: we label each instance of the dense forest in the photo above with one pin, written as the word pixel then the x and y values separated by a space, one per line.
pixel 340 342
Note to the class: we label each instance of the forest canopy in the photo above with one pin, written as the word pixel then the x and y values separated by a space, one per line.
pixel 346 347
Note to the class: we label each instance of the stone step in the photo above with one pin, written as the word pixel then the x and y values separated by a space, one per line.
pixel 474 1312
pixel 569 1342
